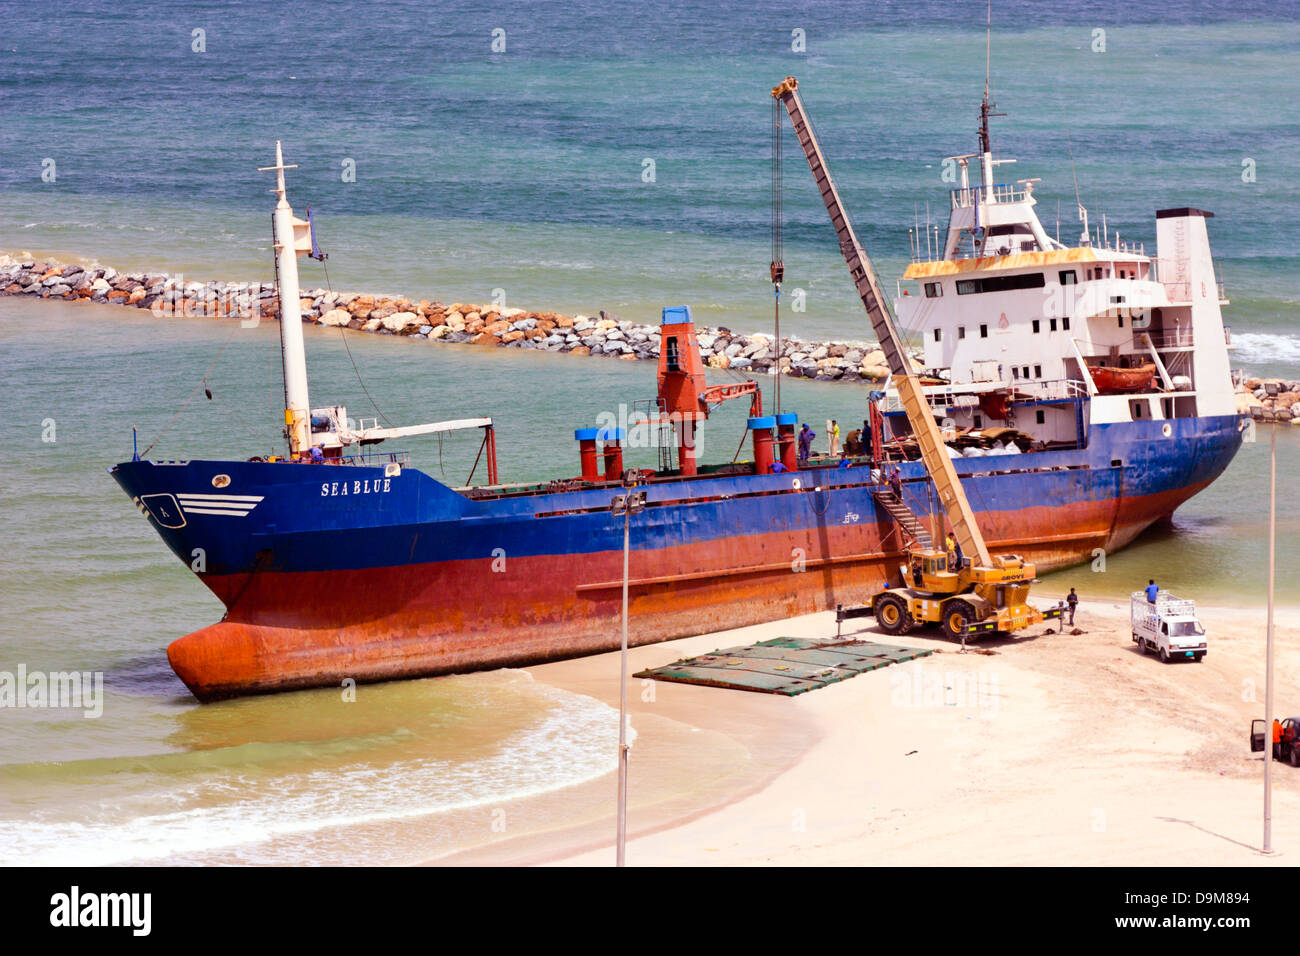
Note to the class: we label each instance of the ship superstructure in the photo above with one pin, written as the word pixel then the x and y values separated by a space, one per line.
pixel 1027 332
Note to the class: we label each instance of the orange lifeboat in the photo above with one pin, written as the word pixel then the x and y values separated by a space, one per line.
pixel 1111 380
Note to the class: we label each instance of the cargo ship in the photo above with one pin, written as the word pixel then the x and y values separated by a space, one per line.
pixel 1083 391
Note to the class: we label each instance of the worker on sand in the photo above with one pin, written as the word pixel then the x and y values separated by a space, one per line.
pixel 1072 600
pixel 1152 592
pixel 1277 739
pixel 806 436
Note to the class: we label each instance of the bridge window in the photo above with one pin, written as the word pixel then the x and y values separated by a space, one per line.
pixel 1065 323
pixel 1026 280
pixel 1053 325
pixel 1069 277
pixel 933 290
pixel 961 331
pixel 984 331
pixel 1038 371
pixel 1038 326
pixel 938 334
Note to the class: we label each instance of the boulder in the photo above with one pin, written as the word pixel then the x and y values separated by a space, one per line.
pixel 398 321
pixel 336 317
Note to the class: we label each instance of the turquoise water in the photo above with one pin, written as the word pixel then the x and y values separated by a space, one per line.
pixel 519 171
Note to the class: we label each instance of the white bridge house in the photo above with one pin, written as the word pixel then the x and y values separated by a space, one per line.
pixel 1047 338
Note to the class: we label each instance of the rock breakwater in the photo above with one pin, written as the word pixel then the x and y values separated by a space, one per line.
pixel 489 325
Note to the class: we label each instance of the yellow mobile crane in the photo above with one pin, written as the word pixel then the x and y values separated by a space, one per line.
pixel 986 594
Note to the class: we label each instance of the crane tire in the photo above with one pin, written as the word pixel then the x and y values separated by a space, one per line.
pixel 893 614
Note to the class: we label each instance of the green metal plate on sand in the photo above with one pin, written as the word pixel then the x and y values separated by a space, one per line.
pixel 784 665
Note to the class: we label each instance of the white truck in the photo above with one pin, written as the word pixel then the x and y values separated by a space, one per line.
pixel 1167 626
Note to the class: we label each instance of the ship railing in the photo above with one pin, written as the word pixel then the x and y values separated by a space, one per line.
pixel 1118 245
pixel 945 398
pixel 372 458
pixel 1175 338
pixel 965 197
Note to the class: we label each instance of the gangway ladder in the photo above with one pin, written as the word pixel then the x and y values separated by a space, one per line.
pixel 904 517
pixel 933 451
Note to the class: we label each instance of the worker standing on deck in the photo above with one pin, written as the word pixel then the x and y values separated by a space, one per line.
pixel 806 436
pixel 1072 600
pixel 835 438
pixel 1152 592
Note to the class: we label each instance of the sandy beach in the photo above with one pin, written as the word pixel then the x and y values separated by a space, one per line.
pixel 1059 749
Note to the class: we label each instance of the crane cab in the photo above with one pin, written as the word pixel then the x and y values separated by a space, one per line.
pixel 927 570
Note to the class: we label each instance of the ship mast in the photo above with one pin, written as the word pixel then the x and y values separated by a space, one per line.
pixel 297 406
pixel 986 109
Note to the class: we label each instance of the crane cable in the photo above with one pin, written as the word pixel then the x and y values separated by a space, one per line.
pixel 344 337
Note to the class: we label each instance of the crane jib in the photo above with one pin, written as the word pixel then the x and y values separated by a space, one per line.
pixel 919 414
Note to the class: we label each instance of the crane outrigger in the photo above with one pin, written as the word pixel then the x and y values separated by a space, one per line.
pixel 983 593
